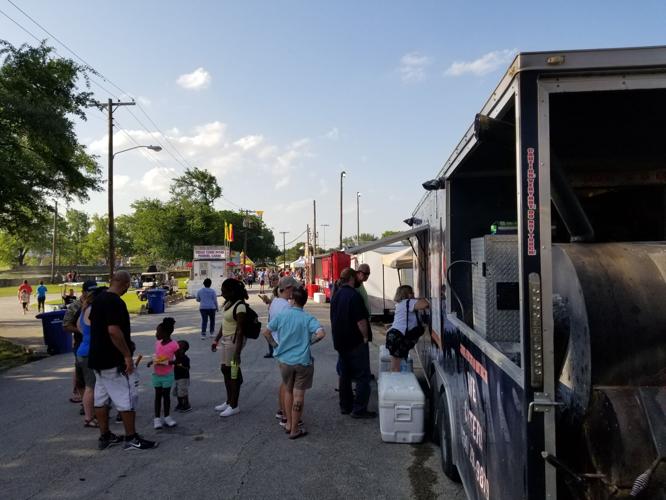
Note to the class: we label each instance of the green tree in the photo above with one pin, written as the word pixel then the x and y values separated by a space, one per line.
pixel 350 241
pixel 196 185
pixel 15 245
pixel 40 155
pixel 95 246
pixel 72 231
pixel 386 234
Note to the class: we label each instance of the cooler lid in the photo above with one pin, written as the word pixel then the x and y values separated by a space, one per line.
pixel 400 387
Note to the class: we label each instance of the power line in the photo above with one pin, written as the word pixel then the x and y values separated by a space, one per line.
pixel 297 237
pixel 163 134
pixel 182 161
pixel 67 47
pixel 20 26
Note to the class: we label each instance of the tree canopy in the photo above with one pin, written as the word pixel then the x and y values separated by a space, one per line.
pixel 40 156
pixel 197 185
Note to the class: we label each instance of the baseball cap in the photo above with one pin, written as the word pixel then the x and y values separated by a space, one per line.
pixel 89 285
pixel 287 281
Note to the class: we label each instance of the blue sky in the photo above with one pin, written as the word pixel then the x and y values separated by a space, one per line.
pixel 276 98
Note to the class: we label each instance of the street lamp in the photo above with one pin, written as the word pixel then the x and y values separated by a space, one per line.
pixel 358 219
pixel 323 245
pixel 112 249
pixel 342 175
pixel 284 249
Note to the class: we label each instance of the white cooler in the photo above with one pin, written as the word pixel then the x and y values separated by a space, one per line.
pixel 401 408
pixel 385 361
pixel 319 298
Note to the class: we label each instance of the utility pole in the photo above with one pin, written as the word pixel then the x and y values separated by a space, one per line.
pixel 342 175
pixel 53 245
pixel 314 229
pixel 284 249
pixel 111 107
pixel 307 254
pixel 358 220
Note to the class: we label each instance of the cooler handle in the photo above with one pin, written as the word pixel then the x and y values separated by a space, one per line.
pixel 403 413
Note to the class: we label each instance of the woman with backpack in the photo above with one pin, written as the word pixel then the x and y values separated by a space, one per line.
pixel 406 328
pixel 231 338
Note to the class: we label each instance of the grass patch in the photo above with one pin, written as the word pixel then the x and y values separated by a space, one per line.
pixel 130 298
pixel 12 355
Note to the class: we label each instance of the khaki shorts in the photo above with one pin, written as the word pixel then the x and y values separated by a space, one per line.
pixel 297 376
pixel 182 387
pixel 87 373
pixel 228 349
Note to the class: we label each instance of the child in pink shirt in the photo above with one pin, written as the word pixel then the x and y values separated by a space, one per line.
pixel 163 377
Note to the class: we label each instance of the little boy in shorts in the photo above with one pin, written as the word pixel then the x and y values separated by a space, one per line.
pixel 182 376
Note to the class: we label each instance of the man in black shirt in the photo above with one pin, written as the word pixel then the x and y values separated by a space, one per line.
pixel 349 325
pixel 111 350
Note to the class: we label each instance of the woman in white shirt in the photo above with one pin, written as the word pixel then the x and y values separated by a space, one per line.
pixel 406 328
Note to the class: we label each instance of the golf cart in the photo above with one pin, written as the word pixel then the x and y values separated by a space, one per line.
pixel 155 280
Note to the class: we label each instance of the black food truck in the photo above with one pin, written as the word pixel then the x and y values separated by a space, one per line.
pixel 541 246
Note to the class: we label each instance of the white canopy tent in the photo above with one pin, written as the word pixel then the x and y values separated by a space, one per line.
pixel 299 263
pixel 402 259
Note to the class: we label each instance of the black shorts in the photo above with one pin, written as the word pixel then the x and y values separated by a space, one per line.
pixel 398 344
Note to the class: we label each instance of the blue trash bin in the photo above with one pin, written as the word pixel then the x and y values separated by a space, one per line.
pixel 57 340
pixel 156 300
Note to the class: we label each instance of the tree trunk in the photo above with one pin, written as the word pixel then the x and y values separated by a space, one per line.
pixel 21 256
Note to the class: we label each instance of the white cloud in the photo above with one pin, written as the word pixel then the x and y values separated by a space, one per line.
pixel 197 80
pixel 206 136
pixel 485 64
pixel 333 134
pixel 158 179
pixel 120 181
pixel 249 141
pixel 284 182
pixel 413 67
pixel 295 206
pixel 323 187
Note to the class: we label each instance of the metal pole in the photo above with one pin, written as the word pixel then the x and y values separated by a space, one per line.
pixel 358 219
pixel 314 228
pixel 342 174
pixel 307 254
pixel 53 246
pixel 284 249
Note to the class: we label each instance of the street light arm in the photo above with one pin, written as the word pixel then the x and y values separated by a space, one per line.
pixel 152 148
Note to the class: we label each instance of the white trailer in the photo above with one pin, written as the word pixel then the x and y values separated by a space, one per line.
pixel 388 270
pixel 208 262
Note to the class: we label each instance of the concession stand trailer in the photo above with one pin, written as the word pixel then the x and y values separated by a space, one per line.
pixel 541 247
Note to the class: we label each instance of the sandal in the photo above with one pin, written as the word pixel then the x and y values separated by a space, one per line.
pixel 74 400
pixel 301 433
pixel 91 423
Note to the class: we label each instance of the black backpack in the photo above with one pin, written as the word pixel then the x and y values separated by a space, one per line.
pixel 252 324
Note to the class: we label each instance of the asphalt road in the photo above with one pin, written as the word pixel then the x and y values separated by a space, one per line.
pixel 47 454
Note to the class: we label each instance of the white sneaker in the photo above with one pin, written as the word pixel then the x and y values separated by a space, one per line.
pixel 170 422
pixel 230 411
pixel 222 407
pixel 157 423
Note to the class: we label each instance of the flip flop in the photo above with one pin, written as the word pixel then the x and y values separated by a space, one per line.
pixel 91 423
pixel 301 433
pixel 74 400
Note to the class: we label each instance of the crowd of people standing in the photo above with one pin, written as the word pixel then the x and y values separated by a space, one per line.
pixel 106 363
